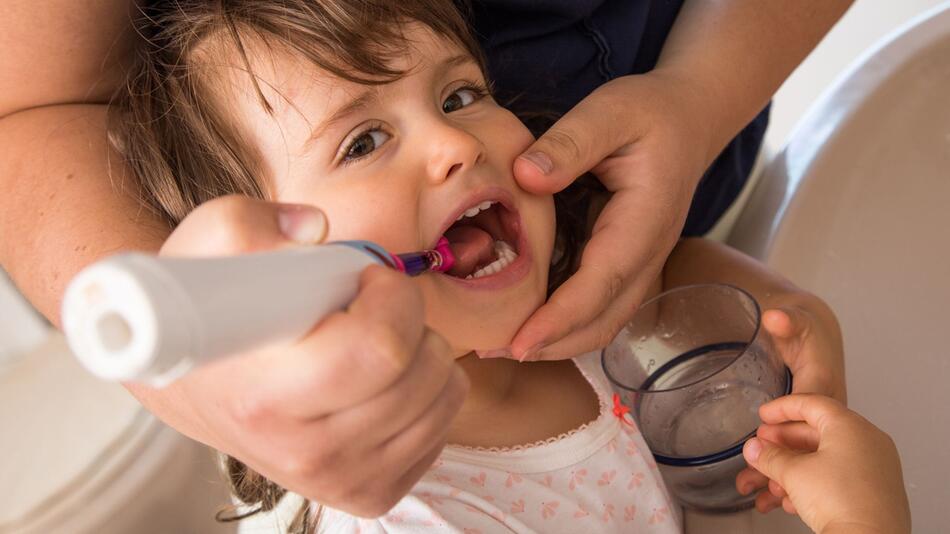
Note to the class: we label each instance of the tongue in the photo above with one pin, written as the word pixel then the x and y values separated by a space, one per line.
pixel 471 247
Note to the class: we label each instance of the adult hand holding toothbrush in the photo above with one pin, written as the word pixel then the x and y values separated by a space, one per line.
pixel 352 414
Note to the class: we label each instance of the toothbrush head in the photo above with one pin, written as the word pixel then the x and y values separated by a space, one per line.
pixel 440 259
pixel 445 252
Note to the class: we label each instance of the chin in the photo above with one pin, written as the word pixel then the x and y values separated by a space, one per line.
pixel 485 328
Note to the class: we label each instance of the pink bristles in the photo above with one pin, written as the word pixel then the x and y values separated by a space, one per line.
pixel 448 259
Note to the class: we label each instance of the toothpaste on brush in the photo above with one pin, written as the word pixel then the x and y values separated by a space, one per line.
pixel 142 318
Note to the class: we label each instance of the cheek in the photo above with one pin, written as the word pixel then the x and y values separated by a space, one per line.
pixel 505 136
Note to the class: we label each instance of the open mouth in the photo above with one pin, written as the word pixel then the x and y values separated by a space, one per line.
pixel 485 239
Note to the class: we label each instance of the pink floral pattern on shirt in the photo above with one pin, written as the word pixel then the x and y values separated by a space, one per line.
pixel 612 487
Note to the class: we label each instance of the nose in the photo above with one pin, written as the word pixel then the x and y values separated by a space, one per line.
pixel 453 150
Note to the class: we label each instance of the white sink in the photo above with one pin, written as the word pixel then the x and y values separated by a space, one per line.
pixel 857 209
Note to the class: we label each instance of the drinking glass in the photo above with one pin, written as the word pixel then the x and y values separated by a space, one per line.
pixel 694 365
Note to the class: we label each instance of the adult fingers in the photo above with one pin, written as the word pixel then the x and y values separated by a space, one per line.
pixel 366 475
pixel 606 273
pixel 349 357
pixel 378 495
pixel 579 300
pixel 420 389
pixel 595 128
pixel 237 224
pixel 430 429
pixel 599 332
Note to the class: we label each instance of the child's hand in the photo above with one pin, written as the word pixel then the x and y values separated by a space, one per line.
pixel 808 338
pixel 353 414
pixel 836 470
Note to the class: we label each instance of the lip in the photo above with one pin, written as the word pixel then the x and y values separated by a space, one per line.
pixel 515 271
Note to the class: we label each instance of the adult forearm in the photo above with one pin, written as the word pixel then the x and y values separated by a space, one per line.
pixel 66 201
pixel 736 53
pixel 63 51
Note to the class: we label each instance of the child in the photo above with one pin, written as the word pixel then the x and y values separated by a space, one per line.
pixel 378 113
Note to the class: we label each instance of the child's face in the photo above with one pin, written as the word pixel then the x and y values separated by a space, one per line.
pixel 398 163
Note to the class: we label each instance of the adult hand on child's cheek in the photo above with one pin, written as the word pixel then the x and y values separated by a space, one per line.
pixel 645 139
pixel 814 353
pixel 351 415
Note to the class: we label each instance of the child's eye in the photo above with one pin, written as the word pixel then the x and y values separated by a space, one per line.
pixel 462 97
pixel 365 143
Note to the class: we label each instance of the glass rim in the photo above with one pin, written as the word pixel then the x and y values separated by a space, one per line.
pixel 718 456
pixel 745 349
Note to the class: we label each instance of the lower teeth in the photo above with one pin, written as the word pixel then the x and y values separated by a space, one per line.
pixel 506 255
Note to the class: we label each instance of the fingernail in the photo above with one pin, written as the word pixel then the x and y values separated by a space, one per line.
pixel 302 224
pixel 531 353
pixel 496 353
pixel 745 489
pixel 753 449
pixel 540 160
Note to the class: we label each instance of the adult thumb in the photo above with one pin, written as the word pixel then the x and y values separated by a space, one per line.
pixel 236 224
pixel 576 143
pixel 768 458
pixel 301 223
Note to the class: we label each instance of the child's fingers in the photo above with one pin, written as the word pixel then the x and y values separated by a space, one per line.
pixel 778 323
pixel 788 506
pixel 773 461
pixel 776 489
pixel 793 435
pixel 765 502
pixel 786 322
pixel 749 480
pixel 810 408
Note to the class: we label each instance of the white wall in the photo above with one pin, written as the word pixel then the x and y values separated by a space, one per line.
pixel 866 23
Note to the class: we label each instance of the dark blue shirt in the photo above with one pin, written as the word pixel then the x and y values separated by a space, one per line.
pixel 547 55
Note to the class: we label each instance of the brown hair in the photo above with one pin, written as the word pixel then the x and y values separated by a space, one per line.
pixel 183 151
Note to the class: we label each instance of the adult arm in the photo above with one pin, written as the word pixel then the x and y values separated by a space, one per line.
pixel 649 138
pixel 66 201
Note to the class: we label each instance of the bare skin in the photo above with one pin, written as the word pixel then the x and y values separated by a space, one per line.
pixel 836 470
pixel 67 203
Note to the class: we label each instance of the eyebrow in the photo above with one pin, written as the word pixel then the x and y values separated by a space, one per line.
pixel 453 62
pixel 365 99
pixel 371 94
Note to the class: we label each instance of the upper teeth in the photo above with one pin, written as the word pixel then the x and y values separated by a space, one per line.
pixel 474 210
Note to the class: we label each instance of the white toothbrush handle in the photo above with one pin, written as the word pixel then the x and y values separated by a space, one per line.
pixel 142 318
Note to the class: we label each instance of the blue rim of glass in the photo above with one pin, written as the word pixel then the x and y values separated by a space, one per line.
pixel 721 455
pixel 737 448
